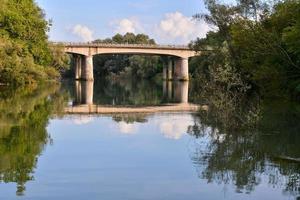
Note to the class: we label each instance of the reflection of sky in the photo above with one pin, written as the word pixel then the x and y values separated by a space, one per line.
pixel 93 158
pixel 169 125
pixel 174 127
pixel 127 128
pixel 83 119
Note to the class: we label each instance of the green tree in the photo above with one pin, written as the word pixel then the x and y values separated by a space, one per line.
pixel 255 44
pixel 25 53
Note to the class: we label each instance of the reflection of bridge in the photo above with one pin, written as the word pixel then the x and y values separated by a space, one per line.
pixel 177 67
pixel 96 109
pixel 175 92
pixel 172 91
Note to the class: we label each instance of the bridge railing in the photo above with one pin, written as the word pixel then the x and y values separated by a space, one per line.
pixel 91 44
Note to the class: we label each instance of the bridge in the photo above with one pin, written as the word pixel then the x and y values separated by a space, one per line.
pixel 177 67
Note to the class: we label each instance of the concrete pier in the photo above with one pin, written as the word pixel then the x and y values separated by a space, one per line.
pixel 88 72
pixel 181 71
pixel 77 63
pixel 184 69
pixel 165 72
pixel 170 70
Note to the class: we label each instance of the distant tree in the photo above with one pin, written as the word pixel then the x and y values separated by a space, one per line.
pixel 118 38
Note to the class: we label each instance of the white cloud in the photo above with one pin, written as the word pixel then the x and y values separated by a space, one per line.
pixel 126 26
pixel 174 28
pixel 177 28
pixel 83 32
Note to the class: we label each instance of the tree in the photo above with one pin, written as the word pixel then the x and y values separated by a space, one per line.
pixel 255 41
pixel 25 53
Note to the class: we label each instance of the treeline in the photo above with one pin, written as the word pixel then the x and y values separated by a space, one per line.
pixel 25 54
pixel 123 65
pixel 256 46
pixel 128 38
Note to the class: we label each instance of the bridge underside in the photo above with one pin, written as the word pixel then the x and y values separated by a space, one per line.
pixel 174 69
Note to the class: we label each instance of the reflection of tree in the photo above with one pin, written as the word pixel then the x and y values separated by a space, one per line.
pixel 24 115
pixel 130 118
pixel 124 92
pixel 248 141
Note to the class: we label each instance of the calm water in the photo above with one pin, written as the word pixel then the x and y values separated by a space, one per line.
pixel 227 152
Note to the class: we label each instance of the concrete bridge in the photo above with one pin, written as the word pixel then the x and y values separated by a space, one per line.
pixel 177 67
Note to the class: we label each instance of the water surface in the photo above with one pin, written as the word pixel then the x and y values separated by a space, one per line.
pixel 46 154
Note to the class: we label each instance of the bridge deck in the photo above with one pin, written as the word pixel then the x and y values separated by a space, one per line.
pixel 111 45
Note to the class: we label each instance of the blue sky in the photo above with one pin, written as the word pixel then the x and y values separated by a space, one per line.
pixel 167 21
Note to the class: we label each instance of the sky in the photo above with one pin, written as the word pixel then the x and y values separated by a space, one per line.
pixel 167 21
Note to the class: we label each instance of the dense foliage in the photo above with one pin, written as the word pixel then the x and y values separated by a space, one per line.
pixel 256 46
pixel 25 55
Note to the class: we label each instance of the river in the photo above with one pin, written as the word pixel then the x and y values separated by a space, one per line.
pixel 85 140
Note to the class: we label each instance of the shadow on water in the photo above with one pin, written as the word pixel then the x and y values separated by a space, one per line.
pixel 24 115
pixel 243 140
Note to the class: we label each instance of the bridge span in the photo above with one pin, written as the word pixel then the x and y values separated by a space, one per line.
pixel 177 67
